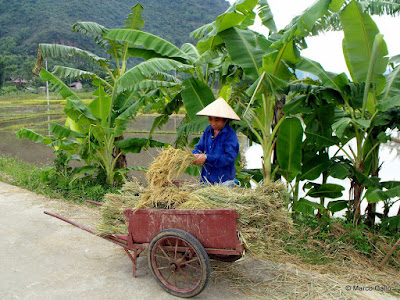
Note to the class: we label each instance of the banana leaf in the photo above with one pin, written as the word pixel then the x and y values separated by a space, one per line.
pixel 288 143
pixel 137 38
pixel 196 96
pixel 135 145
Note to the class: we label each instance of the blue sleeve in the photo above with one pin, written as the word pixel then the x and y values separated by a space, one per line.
pixel 228 155
pixel 199 148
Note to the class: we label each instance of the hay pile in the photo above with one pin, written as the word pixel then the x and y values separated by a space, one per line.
pixel 262 211
pixel 112 211
pixel 167 166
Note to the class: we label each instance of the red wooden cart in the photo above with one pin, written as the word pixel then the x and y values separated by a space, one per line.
pixel 179 243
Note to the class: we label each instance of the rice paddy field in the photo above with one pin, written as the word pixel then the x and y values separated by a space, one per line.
pixel 35 112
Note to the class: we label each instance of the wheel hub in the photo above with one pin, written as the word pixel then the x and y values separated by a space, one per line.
pixel 173 266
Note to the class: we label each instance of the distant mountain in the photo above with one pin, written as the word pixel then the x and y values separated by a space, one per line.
pixel 25 24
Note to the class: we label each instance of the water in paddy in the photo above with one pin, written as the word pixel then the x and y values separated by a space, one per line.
pixel 39 154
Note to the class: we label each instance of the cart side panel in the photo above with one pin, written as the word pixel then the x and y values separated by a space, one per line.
pixel 213 228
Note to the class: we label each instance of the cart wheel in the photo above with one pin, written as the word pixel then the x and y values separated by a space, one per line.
pixel 224 258
pixel 179 263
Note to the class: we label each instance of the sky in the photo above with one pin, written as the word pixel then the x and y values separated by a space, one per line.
pixel 327 48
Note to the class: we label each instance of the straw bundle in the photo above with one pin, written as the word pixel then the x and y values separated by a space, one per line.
pixel 114 221
pixel 167 166
pixel 262 211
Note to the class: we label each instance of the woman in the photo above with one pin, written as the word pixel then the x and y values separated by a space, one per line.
pixel 219 146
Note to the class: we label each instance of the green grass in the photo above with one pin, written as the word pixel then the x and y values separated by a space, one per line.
pixel 19 173
pixel 318 244
pixel 30 177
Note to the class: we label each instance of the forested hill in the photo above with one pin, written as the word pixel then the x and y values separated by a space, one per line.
pixel 24 24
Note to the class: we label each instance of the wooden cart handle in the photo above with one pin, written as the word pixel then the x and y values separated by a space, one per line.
pixel 389 254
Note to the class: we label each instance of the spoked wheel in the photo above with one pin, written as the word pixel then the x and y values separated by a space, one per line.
pixel 179 263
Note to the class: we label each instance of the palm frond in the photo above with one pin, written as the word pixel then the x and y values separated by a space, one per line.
pixel 93 30
pixel 202 31
pixel 154 84
pixel 380 8
pixel 207 57
pixel 147 69
pixel 71 73
pixel 191 51
pixel 265 13
pixel 331 21
pixel 138 38
pixel 65 52
pixel 57 83
pixel 135 20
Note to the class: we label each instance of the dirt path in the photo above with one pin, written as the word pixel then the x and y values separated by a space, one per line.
pixel 42 257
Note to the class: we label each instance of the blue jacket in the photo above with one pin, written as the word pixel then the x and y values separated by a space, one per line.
pixel 221 154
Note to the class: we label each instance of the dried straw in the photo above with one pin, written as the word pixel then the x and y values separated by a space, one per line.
pixel 262 211
pixel 167 166
pixel 112 211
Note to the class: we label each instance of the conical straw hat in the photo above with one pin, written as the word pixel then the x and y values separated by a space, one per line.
pixel 219 108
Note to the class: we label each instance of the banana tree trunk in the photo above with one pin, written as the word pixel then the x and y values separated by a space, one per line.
pixel 371 211
pixel 371 208
pixel 121 160
pixel 278 115
pixel 356 191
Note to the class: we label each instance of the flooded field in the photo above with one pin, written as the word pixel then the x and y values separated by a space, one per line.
pixel 38 116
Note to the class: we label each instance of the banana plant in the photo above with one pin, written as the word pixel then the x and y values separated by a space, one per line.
pixel 364 116
pixel 316 105
pixel 267 63
pixel 211 76
pixel 99 126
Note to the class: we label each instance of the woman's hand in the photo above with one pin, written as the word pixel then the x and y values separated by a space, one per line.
pixel 200 159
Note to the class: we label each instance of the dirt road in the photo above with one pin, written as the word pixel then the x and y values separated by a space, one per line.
pixel 44 258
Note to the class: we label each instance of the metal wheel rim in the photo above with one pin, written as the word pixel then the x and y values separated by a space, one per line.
pixel 171 266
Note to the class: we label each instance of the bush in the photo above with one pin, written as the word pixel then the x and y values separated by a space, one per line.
pixel 9 89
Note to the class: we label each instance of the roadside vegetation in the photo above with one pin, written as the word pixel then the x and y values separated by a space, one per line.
pixel 56 184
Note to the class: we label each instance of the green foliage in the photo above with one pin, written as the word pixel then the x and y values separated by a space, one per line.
pixel 288 143
pixel 60 179
pixel 19 173
pixel 359 238
pixel 337 111
pixel 54 181
pixel 91 131
pixel 331 240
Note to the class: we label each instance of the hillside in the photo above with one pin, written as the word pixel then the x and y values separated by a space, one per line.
pixel 25 24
